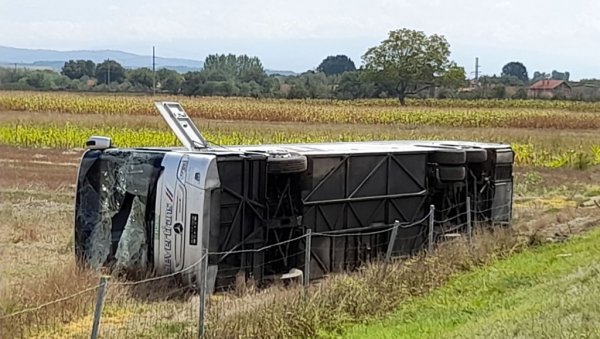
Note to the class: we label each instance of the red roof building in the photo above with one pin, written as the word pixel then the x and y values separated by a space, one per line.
pixel 549 89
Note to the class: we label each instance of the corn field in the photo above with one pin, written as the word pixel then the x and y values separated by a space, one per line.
pixel 71 136
pixel 489 120
pixel 446 113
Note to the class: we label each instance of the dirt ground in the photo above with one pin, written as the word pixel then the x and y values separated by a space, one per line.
pixel 36 211
pixel 40 169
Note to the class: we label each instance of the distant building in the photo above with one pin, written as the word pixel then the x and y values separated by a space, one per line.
pixel 586 90
pixel 550 89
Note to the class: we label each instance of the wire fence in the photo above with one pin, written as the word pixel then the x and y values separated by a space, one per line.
pixel 48 320
pixel 182 304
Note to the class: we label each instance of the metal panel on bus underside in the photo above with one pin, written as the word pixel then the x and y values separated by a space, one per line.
pixel 502 202
pixel 356 191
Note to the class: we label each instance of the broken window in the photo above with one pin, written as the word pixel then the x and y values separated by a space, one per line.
pixel 115 207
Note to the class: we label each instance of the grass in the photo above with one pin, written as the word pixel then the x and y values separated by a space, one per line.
pixel 547 292
pixel 371 292
pixel 54 288
pixel 324 309
pixel 375 291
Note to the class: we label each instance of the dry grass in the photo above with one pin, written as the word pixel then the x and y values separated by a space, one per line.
pixel 167 308
pixel 372 292
pixel 54 284
pixel 376 290
pixel 34 234
pixel 559 225
pixel 54 290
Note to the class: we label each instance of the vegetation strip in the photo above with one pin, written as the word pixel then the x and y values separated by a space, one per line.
pixel 69 136
pixel 374 291
pixel 550 291
pixel 453 113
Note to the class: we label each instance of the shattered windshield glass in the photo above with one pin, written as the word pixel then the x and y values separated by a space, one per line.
pixel 114 214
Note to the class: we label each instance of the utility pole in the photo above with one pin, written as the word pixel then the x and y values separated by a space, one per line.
pixel 153 71
pixel 108 73
pixel 477 68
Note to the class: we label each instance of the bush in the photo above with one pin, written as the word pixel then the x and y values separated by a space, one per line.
pixel 520 94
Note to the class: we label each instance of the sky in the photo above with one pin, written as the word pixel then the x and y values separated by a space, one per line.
pixel 296 35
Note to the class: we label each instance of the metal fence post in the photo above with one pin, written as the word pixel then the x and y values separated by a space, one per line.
pixel 431 221
pixel 202 292
pixel 99 305
pixel 388 253
pixel 469 222
pixel 308 242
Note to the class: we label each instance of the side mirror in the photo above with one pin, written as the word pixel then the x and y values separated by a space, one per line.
pixel 97 142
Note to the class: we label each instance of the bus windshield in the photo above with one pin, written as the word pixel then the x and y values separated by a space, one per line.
pixel 114 209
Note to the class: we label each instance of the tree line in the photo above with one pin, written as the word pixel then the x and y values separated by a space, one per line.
pixel 85 75
pixel 395 68
pixel 406 63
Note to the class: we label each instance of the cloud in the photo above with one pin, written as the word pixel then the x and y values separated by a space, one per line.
pixel 494 22
pixel 566 28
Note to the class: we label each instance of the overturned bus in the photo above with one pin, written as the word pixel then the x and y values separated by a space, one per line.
pixel 160 209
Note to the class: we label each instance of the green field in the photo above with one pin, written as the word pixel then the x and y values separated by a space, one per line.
pixel 549 292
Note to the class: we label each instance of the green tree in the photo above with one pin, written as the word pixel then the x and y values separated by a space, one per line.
pixel 169 80
pixel 336 65
pixel 238 68
pixel 230 75
pixel 75 69
pixel 192 83
pixel 271 87
pixel 317 85
pixel 537 76
pixel 110 71
pixel 516 69
pixel 311 85
pixel 499 92
pixel 521 93
pixel 36 80
pixel 455 77
pixel 556 75
pixel 140 77
pixel 298 91
pixel 353 85
pixel 407 62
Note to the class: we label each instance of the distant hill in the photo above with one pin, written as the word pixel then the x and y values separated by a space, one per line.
pixel 283 73
pixel 45 58
pixel 51 59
